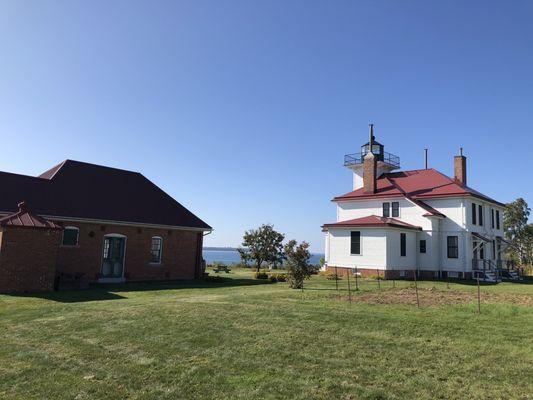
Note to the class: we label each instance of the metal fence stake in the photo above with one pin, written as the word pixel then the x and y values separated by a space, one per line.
pixel 349 289
pixel 416 290
pixel 478 297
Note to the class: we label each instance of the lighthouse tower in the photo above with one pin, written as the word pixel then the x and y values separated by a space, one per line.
pixel 384 162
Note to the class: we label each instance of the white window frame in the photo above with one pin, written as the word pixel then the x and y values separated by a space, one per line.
pixel 159 262
pixel 77 236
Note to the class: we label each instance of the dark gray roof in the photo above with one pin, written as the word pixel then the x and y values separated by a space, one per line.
pixel 80 190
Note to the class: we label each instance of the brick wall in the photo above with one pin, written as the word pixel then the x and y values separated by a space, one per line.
pixel 181 252
pixel 27 259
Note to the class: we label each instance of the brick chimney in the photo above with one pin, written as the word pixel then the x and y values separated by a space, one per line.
pixel 459 168
pixel 370 166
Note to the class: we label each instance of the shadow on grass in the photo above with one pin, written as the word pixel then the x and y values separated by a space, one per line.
pixel 108 291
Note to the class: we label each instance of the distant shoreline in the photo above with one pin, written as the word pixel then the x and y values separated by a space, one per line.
pixel 220 249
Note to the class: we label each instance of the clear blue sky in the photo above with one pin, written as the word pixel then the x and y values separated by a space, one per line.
pixel 243 110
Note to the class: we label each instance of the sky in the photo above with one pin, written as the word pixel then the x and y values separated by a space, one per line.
pixel 243 110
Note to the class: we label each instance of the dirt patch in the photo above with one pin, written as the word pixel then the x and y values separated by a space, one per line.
pixel 435 298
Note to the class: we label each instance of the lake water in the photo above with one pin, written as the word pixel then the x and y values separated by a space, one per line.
pixel 232 257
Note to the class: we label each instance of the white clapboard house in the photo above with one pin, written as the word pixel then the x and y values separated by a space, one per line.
pixel 397 222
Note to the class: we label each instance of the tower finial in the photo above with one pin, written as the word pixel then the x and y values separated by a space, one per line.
pixel 461 151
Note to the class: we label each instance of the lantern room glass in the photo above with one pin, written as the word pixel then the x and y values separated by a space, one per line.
pixel 377 150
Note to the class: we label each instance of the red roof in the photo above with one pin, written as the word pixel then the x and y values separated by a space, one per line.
pixel 431 212
pixel 417 184
pixel 372 221
pixel 25 219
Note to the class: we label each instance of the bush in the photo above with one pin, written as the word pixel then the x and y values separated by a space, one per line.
pixel 315 269
pixel 260 275
pixel 330 275
pixel 277 277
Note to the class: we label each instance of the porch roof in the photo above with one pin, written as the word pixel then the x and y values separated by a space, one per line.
pixel 371 221
pixel 481 237
pixel 23 218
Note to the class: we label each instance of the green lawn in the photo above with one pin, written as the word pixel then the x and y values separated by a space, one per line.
pixel 240 338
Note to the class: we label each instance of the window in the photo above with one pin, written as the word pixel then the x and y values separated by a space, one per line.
pixel 395 209
pixel 474 214
pixel 453 247
pixel 70 236
pixel 355 243
pixel 422 246
pixel 497 219
pixel 386 210
pixel 403 244
pixel 480 209
pixel 492 218
pixel 494 250
pixel 156 250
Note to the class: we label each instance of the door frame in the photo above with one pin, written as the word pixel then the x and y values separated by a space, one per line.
pixel 113 280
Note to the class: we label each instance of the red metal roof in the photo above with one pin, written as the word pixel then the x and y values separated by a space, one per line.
pixel 372 221
pixel 417 184
pixel 75 189
pixel 431 212
pixel 25 219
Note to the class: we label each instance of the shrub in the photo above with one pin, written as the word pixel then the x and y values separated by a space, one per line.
pixel 260 275
pixel 330 275
pixel 277 277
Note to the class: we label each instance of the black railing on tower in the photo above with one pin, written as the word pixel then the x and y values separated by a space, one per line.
pixel 357 158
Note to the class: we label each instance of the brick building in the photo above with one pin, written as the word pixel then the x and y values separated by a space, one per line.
pixel 94 223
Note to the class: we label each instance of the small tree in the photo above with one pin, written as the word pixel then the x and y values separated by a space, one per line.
pixel 245 256
pixel 298 267
pixel 264 244
pixel 516 229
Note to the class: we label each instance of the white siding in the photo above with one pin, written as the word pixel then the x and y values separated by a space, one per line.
pixel 373 248
pixel 380 247
pixel 409 212
pixel 394 259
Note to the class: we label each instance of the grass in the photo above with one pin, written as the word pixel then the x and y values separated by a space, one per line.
pixel 239 338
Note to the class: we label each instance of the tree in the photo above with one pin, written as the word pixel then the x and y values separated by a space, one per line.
pixel 245 256
pixel 264 244
pixel 298 267
pixel 528 245
pixel 516 230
